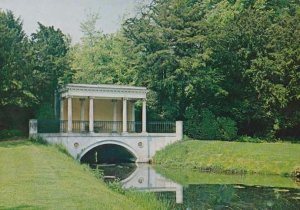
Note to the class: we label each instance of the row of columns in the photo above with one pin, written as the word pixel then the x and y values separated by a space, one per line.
pixel 91 114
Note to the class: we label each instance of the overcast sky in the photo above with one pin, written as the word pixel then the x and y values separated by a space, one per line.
pixel 68 14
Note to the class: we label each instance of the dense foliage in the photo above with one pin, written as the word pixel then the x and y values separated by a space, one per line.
pixel 232 60
pixel 225 67
pixel 31 69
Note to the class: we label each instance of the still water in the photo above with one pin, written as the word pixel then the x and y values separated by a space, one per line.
pixel 195 190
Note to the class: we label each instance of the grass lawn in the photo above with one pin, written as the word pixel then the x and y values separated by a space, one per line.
pixel 232 157
pixel 35 176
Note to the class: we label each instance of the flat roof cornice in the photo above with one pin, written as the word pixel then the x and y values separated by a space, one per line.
pixel 103 91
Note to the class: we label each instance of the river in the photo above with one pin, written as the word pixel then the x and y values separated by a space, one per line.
pixel 189 189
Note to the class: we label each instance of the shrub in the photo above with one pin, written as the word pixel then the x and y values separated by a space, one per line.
pixel 191 125
pixel 38 140
pixel 7 134
pixel 209 127
pixel 250 139
pixel 116 186
pixel 206 125
pixel 227 128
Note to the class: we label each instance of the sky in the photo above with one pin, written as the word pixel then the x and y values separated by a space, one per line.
pixel 68 14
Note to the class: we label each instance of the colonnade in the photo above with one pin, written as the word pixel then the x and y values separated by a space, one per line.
pixel 91 114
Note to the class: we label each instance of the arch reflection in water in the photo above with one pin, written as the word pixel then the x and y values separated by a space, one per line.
pixel 145 178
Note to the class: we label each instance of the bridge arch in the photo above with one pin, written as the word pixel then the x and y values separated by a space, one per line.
pixel 109 142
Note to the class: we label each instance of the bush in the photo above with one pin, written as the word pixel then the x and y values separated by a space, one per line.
pixel 191 125
pixel 250 139
pixel 207 126
pixel 7 134
pixel 227 128
pixel 38 140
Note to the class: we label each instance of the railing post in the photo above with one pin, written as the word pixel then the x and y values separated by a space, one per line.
pixel 33 129
pixel 179 130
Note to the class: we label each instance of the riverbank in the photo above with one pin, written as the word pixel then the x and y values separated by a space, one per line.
pixel 35 176
pixel 232 157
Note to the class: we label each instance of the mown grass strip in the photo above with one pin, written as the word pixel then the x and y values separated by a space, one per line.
pixel 232 157
pixel 35 176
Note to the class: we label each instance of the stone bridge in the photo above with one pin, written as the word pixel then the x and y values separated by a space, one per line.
pixel 94 115
pixel 142 146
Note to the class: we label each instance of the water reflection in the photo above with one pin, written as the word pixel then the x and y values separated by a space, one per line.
pixel 208 191
pixel 236 197
pixel 119 171
pixel 145 178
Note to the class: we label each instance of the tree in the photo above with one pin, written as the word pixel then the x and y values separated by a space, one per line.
pixel 14 68
pixel 101 58
pixel 237 59
pixel 50 65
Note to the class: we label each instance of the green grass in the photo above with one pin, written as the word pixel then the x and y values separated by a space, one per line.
pixel 35 176
pixel 232 157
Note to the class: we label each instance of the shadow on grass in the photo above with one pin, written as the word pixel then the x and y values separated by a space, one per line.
pixel 20 207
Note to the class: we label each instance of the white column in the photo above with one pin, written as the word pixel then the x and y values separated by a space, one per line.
pixel 91 115
pixel 82 125
pixel 124 115
pixel 144 115
pixel 133 115
pixel 114 102
pixel 69 114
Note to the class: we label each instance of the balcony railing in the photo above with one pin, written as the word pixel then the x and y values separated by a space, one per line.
pixel 161 127
pixel 80 126
pixel 107 126
pixel 49 126
pixel 134 127
pixel 61 126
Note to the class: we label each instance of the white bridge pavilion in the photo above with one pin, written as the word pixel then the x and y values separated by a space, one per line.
pixel 95 115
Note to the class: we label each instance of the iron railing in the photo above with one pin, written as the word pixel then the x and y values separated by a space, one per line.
pixel 161 127
pixel 57 126
pixel 107 126
pixel 134 126
pixel 80 126
pixel 63 126
pixel 48 126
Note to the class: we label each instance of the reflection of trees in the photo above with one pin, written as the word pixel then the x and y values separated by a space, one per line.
pixel 237 197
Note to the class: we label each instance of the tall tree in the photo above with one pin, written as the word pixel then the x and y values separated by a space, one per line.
pixel 101 58
pixel 14 68
pixel 237 59
pixel 50 64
